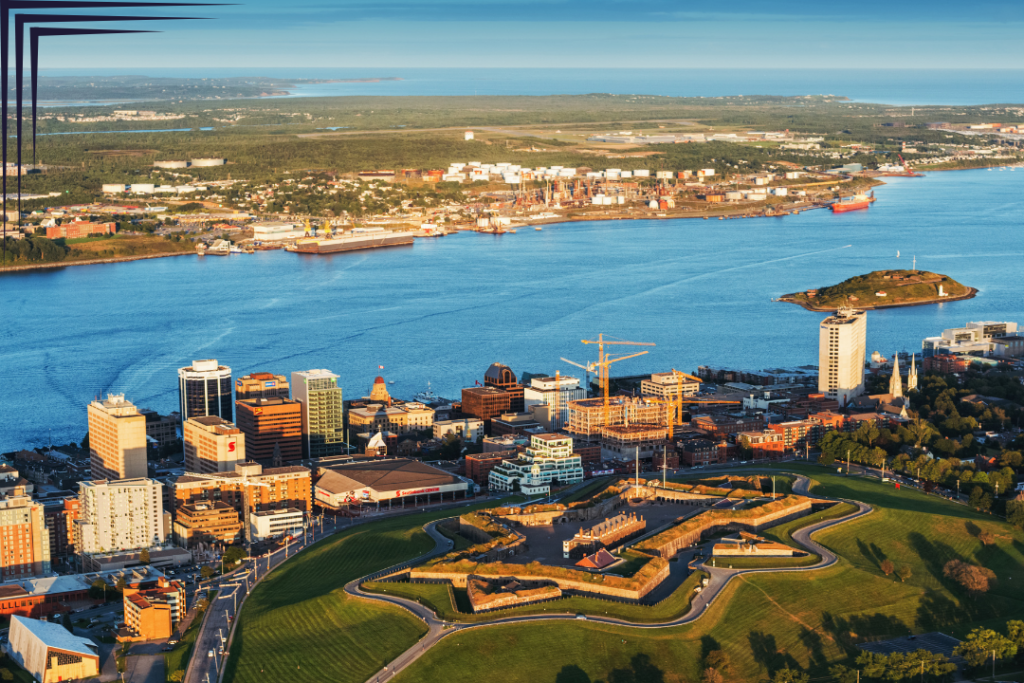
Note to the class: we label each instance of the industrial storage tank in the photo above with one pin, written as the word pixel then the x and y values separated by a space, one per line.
pixel 733 196
pixel 642 173
pixel 209 162
pixel 142 188
pixel 171 164
pixel 114 188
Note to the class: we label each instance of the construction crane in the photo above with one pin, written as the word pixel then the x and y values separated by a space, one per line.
pixel 604 362
pixel 245 495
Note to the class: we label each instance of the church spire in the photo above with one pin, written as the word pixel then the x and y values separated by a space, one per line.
pixel 912 377
pixel 896 383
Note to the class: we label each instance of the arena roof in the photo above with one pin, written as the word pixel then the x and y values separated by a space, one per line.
pixel 384 475
pixel 55 636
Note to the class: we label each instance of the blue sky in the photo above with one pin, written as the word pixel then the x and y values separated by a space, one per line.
pixel 570 33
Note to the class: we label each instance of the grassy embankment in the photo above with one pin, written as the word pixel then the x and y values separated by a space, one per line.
pixel 300 615
pixel 861 291
pixel 765 621
pixel 438 597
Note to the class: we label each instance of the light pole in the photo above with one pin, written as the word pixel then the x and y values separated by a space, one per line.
pixel 847 461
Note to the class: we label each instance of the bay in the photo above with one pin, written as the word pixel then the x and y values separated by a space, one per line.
pixel 444 309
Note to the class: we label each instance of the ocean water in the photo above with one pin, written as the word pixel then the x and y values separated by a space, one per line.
pixel 888 86
pixel 442 310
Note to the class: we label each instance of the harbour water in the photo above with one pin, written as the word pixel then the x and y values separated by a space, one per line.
pixel 444 309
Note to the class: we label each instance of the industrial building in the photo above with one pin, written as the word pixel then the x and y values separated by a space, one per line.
pixel 275 232
pixel 212 444
pixel 973 339
pixel 117 439
pixel 394 481
pixel 842 343
pixel 205 389
pixel 50 652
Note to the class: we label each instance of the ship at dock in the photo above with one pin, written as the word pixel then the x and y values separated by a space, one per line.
pixel 355 239
pixel 854 203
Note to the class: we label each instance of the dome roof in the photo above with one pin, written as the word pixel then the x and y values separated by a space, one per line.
pixel 499 374
pixel 379 380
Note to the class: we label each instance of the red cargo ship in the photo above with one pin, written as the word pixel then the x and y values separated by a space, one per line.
pixel 852 203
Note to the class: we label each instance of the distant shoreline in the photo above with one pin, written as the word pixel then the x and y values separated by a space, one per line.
pixel 87 262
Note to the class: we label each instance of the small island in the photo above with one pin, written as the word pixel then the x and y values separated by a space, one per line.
pixel 884 289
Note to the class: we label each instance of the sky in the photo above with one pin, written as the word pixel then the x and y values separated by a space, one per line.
pixel 751 34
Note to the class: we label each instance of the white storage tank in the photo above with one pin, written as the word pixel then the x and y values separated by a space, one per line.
pixel 512 178
pixel 170 164
pixel 483 222
pixel 597 200
pixel 114 188
pixel 653 204
pixel 641 173
pixel 209 162
pixel 457 167
pixel 626 174
pixel 664 175
pixel 620 199
pixel 566 173
pixel 779 191
pixel 733 196
pixel 143 188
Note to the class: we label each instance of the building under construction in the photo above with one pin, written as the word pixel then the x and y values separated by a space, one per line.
pixel 634 441
pixel 587 416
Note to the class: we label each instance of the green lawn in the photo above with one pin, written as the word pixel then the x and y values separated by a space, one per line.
pixel 436 596
pixel 461 542
pixel 299 616
pixel 764 621
pixel 9 671
pixel 588 490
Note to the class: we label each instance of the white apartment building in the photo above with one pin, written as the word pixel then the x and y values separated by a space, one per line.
pixel 667 385
pixel 548 390
pixel 126 514
pixel 842 349
pixel 548 458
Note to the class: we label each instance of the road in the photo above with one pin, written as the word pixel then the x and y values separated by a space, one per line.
pixel 719 578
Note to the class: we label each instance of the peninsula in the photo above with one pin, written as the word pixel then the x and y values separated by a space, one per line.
pixel 884 289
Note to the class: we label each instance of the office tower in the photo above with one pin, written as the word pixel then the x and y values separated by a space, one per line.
pixel 212 444
pixel 24 537
pixel 261 385
pixel 205 389
pixel 842 341
pixel 322 418
pixel 270 423
pixel 117 439
pixel 119 515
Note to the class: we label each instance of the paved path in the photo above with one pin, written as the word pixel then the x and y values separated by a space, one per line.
pixel 719 578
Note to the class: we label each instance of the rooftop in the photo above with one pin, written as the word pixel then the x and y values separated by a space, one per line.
pixel 55 636
pixel 383 475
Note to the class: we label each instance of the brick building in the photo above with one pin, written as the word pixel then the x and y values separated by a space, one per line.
pixel 266 489
pixel 261 385
pixel 946 364
pixel 766 444
pixel 501 377
pixel 479 465
pixel 77 229
pixel 699 453
pixel 720 427
pixel 153 613
pixel 485 403
pixel 211 522
pixel 798 435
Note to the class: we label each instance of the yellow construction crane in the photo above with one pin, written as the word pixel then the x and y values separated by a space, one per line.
pixel 604 361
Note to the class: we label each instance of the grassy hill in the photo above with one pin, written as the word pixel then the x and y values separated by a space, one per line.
pixel 900 288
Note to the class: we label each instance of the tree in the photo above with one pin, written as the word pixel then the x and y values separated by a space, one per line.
pixel 711 676
pixel 978 646
pixel 233 555
pixel 887 566
pixel 986 538
pixel 206 572
pixel 98 589
pixel 66 622
pixel 787 675
pixel 144 556
pixel 121 584
pixel 1015 513
pixel 904 573
pixel 979 500
pixel 1015 631
pixel 842 674
pixel 975 579
pixel 451 446
pixel 716 659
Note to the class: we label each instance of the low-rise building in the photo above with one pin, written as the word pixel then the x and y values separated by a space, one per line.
pixel 392 481
pixel 399 418
pixel 467 429
pixel 479 465
pixel 669 385
pixel 269 524
pixel 153 613
pixel 633 441
pixel 722 426
pixel 50 652
pixel 699 453
pixel 764 444
pixel 210 522
pixel 549 459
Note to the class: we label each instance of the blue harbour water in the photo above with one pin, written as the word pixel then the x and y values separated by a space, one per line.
pixel 888 86
pixel 444 309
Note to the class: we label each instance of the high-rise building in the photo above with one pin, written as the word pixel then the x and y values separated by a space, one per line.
pixel 271 425
pixel 261 385
pixel 212 444
pixel 323 426
pixel 117 439
pixel 205 389
pixel 24 537
pixel 842 342
pixel 119 515
pixel 552 391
